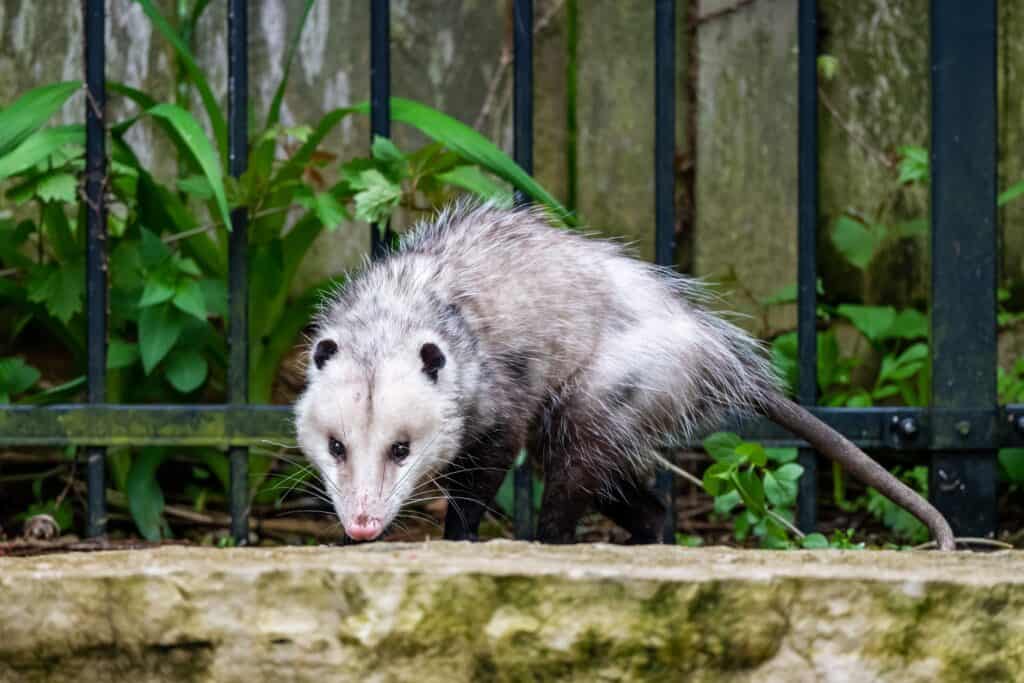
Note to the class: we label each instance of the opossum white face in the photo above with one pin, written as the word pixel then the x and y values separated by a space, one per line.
pixel 377 432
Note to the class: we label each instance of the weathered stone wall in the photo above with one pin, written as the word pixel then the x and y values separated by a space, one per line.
pixel 448 53
pixel 506 611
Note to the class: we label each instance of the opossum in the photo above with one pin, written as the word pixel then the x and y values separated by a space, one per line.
pixel 488 330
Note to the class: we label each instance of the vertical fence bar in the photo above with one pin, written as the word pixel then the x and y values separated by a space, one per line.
pixel 963 254
pixel 238 258
pixel 664 181
pixel 807 295
pixel 96 251
pixel 523 124
pixel 380 97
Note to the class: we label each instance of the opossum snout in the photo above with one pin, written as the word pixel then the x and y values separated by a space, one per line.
pixel 364 528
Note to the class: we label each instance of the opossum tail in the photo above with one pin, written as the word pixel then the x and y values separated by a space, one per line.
pixel 835 446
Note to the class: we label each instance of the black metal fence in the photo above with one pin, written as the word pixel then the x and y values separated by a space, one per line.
pixel 961 429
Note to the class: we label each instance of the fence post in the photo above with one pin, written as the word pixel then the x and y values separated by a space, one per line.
pixel 380 98
pixel 96 251
pixel 664 184
pixel 963 253
pixel 807 267
pixel 238 258
pixel 523 125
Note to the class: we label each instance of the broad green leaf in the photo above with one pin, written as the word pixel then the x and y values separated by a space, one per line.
pixel 782 455
pixel 57 187
pixel 725 503
pixel 215 297
pixel 152 250
pixel 192 135
pixel 159 328
pixel 329 211
pixel 783 295
pixel 60 288
pixel 293 167
pixel 474 147
pixel 378 197
pixel 186 370
pixel 156 291
pixel 751 490
pixel 854 241
pixel 197 186
pixel 753 452
pixel 779 492
pixel 789 472
pixel 1010 193
pixel 721 445
pixel 1012 460
pixel 716 478
pixel 908 324
pixel 474 180
pixel 196 76
pixel 914 165
pixel 384 150
pixel 873 321
pixel 186 265
pixel 39 146
pixel 814 541
pixel 145 497
pixel 30 111
pixel 188 297
pixel 16 376
pixel 58 231
pixel 121 354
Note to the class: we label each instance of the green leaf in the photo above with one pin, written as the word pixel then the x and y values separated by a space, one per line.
pixel 789 472
pixel 16 376
pixel 378 196
pixel 474 147
pixel 828 66
pixel 780 492
pixel 384 150
pixel 192 135
pixel 329 210
pixel 854 241
pixel 157 290
pixel 152 249
pixel 189 298
pixel 57 187
pixel 716 479
pixel 39 147
pixel 908 324
pixel 722 445
pixel 751 490
pixel 814 541
pixel 186 370
pixel 782 455
pixel 159 328
pixel 873 321
pixel 783 295
pixel 197 186
pixel 60 288
pixel 121 354
pixel 215 297
pixel 1012 461
pixel 274 113
pixel 474 180
pixel 725 503
pixel 753 452
pixel 30 111
pixel 914 165
pixel 1010 193
pixel 145 497
pixel 213 111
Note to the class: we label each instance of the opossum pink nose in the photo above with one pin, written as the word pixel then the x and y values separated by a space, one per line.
pixel 364 528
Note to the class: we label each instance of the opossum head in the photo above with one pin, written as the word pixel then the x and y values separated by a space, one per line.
pixel 378 428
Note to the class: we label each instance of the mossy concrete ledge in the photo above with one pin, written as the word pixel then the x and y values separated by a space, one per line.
pixel 505 611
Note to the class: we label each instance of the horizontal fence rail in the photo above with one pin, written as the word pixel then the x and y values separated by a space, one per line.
pixel 960 431
pixel 890 429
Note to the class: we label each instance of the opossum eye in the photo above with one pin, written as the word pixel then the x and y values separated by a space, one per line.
pixel 325 348
pixel 433 360
pixel 336 448
pixel 399 451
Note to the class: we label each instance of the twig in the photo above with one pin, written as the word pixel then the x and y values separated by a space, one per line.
pixel 505 61
pixel 711 16
pixel 881 156
pixel 29 476
pixel 210 226
pixel 968 540
pixel 697 482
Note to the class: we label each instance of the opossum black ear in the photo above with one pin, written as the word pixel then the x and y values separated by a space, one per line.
pixel 433 360
pixel 325 348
